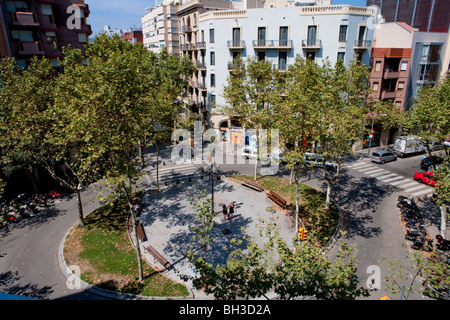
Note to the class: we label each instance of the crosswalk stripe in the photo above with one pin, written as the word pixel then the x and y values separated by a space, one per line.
pixel 373 171
pixel 389 176
pixel 392 179
pixel 400 182
pixel 419 193
pixel 377 174
pixel 362 166
pixel 357 164
pixel 168 170
pixel 410 184
pixel 416 188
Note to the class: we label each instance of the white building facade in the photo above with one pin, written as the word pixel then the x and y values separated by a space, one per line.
pixel 278 35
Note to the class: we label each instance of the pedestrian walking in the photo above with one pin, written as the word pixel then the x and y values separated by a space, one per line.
pixel 225 212
pixel 231 211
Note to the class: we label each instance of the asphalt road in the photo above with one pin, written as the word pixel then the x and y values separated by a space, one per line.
pixel 29 264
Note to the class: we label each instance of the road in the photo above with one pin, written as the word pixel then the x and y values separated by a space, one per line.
pixel 29 266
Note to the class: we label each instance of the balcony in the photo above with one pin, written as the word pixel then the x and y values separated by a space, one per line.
pixel 390 74
pixel 389 94
pixel 201 45
pixel 30 48
pixel 236 44
pixel 186 29
pixel 280 67
pixel 362 44
pixel 308 44
pixel 28 19
pixel 201 65
pixel 272 44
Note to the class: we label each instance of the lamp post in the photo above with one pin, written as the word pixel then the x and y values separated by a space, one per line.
pixel 371 131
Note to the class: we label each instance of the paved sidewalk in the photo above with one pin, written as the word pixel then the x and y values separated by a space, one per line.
pixel 167 216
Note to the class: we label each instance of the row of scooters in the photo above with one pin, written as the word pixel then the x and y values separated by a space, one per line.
pixel 416 232
pixel 26 205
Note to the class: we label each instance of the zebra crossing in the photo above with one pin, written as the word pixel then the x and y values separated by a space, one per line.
pixel 409 185
pixel 171 172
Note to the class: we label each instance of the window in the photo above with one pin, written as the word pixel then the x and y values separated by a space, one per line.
pixel 430 53
pixel 378 66
pixel 261 55
pixel 51 38
pixel 16 6
pixel 213 80
pixel 312 35
pixel 236 37
pixel 283 36
pixel 211 35
pixel 375 86
pixel 401 86
pixel 82 37
pixel 340 56
pixel 261 36
pixel 343 33
pixel 428 72
pixel 212 60
pixel 311 55
pixel 22 35
pixel 404 66
pixel 282 56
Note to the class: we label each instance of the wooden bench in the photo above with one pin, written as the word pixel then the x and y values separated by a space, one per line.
pixel 140 231
pixel 252 185
pixel 277 199
pixel 158 257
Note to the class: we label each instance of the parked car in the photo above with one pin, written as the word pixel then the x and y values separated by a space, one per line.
pixel 426 177
pixel 249 152
pixel 436 146
pixel 383 156
pixel 425 164
pixel 312 159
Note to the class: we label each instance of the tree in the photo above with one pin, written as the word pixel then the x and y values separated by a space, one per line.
pixel 248 94
pixel 442 193
pixel 204 220
pixel 429 117
pixel 255 270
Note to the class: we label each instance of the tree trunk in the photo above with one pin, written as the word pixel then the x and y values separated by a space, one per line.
pixel 328 201
pixel 80 207
pixel 443 228
pixel 134 225
pixel 297 206
pixel 157 166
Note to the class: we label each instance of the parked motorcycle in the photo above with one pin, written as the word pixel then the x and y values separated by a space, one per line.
pixel 442 244
pixel 421 243
pixel 412 235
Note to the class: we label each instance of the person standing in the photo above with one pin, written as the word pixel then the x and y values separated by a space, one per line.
pixel 231 211
pixel 224 212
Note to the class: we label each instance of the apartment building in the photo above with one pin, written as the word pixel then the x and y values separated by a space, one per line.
pixel 403 60
pixel 403 63
pixel 42 27
pixel 424 15
pixel 278 35
pixel 160 27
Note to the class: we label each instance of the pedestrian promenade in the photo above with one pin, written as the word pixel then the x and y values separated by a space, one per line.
pixel 167 215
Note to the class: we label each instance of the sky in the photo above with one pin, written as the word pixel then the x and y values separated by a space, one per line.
pixel 127 14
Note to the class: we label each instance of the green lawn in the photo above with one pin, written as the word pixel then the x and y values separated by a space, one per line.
pixel 109 259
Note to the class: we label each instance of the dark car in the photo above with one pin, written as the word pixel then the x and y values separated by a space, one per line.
pixel 426 162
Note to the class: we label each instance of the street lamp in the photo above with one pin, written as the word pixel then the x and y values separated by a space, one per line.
pixel 371 131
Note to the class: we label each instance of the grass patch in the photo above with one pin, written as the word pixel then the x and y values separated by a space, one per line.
pixel 320 222
pixel 107 259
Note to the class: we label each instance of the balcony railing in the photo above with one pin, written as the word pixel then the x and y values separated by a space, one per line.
pixel 189 46
pixel 25 19
pixel 201 65
pixel 280 67
pixel 389 94
pixel 236 44
pixel 363 44
pixel 30 48
pixel 201 45
pixel 272 44
pixel 311 44
pixel 186 28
